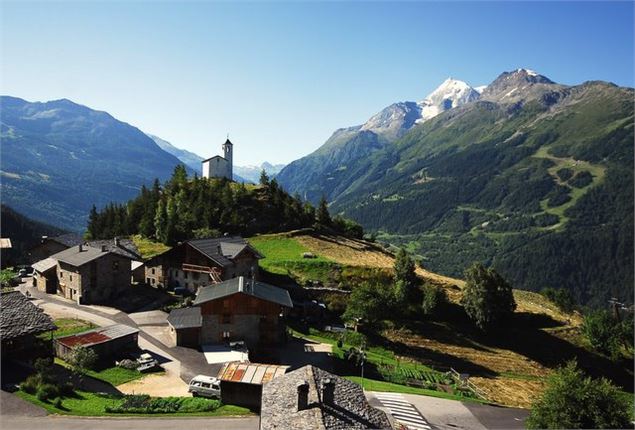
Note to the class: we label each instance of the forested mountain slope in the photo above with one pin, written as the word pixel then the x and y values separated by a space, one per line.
pixel 533 177
pixel 59 158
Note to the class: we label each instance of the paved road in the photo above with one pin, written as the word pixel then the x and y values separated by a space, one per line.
pixel 403 411
pixel 444 414
pixel 64 423
pixel 188 361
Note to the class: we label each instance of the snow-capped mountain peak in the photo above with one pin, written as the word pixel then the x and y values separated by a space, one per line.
pixel 451 93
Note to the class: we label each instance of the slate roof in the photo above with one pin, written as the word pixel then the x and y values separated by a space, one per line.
pixel 44 265
pixel 211 158
pixel 76 258
pixel 68 239
pixel 97 336
pixel 126 247
pixel 19 317
pixel 222 250
pixel 246 286
pixel 349 410
pixel 185 318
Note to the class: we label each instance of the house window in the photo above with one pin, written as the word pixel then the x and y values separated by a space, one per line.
pixel 153 281
pixel 61 274
pixel 148 281
pixel 152 271
pixel 226 319
pixel 226 335
pixel 71 278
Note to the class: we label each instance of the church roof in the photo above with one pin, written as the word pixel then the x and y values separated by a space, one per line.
pixel 211 158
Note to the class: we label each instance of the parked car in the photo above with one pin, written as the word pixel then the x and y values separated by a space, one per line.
pixel 205 386
pixel 147 363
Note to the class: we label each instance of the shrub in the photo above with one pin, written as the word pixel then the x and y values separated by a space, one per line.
pixel 574 401
pixel 81 359
pixel 354 338
pixel 433 299
pixel 58 403
pixel 66 389
pixel 162 405
pixel 31 384
pixel 602 331
pixel 560 297
pixel 128 364
pixel 46 392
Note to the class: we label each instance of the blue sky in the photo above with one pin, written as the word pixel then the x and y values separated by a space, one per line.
pixel 281 77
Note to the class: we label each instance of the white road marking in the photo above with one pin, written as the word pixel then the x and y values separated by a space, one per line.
pixel 403 411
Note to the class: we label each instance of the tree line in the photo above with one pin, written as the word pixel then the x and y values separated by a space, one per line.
pixel 183 208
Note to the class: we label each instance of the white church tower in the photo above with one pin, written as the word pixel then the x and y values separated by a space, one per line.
pixel 220 167
pixel 228 151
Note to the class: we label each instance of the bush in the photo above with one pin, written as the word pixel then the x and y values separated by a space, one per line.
pixel 144 404
pixel 46 392
pixel 128 364
pixel 66 389
pixel 602 332
pixel 354 338
pixel 560 297
pixel 58 403
pixel 433 299
pixel 575 401
pixel 31 384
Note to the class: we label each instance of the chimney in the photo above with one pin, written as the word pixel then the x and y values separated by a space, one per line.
pixel 328 391
pixel 303 395
pixel 103 248
pixel 116 241
pixel 81 247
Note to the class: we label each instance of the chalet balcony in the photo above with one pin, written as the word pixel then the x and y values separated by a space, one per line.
pixel 196 268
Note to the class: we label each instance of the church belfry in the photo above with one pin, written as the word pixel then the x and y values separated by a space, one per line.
pixel 228 151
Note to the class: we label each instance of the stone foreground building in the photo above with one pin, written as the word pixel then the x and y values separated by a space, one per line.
pixel 313 399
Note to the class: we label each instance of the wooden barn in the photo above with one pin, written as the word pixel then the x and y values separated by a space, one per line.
pixel 107 342
pixel 241 383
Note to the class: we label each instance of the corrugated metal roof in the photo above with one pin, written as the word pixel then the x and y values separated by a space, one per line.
pixel 251 373
pixel 44 265
pixel 97 336
pixel 246 286
pixel 185 318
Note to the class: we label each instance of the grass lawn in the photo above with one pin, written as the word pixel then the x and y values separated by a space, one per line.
pixel 93 405
pixel 284 255
pixel 148 248
pixel 112 375
pixel 373 385
pixel 69 326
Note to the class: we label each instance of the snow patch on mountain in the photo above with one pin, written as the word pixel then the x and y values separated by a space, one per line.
pixel 450 94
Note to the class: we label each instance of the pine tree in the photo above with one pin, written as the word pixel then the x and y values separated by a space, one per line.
pixel 323 217
pixel 160 222
pixel 405 278
pixel 264 178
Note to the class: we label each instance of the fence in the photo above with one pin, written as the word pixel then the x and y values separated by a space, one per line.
pixel 469 384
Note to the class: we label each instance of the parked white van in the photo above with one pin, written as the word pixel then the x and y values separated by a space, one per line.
pixel 205 386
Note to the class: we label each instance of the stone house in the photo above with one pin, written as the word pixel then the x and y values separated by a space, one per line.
pixel 312 398
pixel 239 309
pixel 198 263
pixel 20 323
pixel 85 274
pixel 50 245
